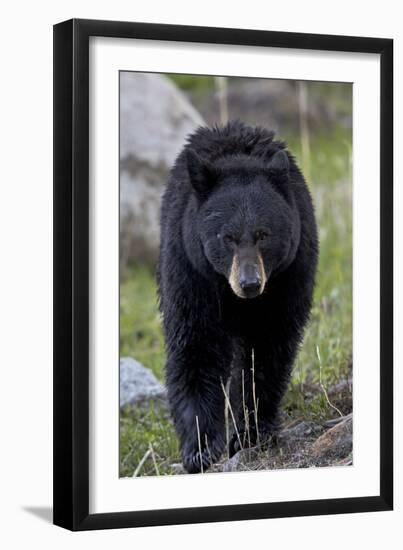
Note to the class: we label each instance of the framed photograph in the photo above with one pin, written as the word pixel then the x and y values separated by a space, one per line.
pixel 223 237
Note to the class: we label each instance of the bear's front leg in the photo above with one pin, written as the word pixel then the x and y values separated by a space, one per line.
pixel 195 375
pixel 199 354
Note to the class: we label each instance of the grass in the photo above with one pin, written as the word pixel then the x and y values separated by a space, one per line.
pixel 140 428
pixel 140 325
pixel 329 332
pixel 198 85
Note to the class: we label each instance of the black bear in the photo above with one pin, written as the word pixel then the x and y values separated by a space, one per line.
pixel 236 275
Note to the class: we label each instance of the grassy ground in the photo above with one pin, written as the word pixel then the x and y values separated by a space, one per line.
pixel 326 354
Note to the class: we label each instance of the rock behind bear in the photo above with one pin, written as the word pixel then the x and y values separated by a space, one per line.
pixel 236 274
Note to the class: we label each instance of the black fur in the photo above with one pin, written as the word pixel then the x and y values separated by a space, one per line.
pixel 232 189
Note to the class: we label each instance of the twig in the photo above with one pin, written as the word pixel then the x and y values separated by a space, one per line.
pixel 198 439
pixel 154 461
pixel 245 409
pixel 140 464
pixel 232 414
pixel 226 425
pixel 254 398
pixel 322 386
pixel 304 128
pixel 334 421
pixel 221 83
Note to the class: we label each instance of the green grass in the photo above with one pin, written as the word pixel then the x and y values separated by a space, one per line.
pixel 141 430
pixel 140 325
pixel 330 329
pixel 197 85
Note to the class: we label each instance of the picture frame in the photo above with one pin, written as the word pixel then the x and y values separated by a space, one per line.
pixel 72 285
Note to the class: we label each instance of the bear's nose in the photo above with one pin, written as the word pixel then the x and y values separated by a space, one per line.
pixel 250 281
pixel 250 284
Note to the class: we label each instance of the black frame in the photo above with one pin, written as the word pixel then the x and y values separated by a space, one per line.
pixel 71 274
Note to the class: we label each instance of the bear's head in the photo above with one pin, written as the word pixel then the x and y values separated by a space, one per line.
pixel 247 221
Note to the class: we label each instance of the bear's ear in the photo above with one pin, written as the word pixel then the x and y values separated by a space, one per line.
pixel 279 166
pixel 202 174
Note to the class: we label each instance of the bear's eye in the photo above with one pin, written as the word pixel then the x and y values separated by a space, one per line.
pixel 261 235
pixel 229 239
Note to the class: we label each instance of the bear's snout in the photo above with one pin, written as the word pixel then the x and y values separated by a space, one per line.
pixel 247 276
pixel 249 280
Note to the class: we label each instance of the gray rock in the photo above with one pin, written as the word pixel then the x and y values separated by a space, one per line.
pixel 137 383
pixel 155 119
